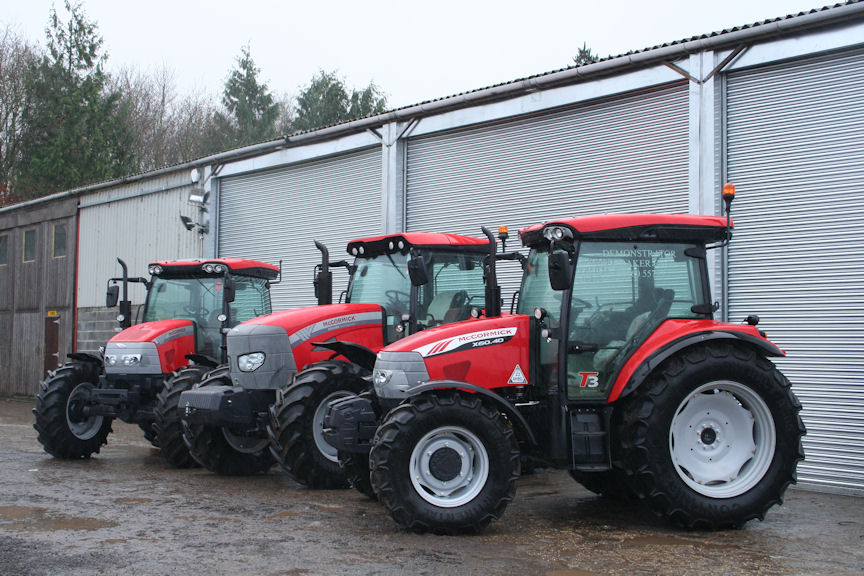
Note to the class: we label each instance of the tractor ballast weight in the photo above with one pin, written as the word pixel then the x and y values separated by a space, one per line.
pixel 190 304
pixel 613 368
pixel 283 366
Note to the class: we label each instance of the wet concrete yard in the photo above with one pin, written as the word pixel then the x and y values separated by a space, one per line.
pixel 127 512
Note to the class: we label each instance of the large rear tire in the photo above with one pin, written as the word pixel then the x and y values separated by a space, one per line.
pixel 168 427
pixel 63 430
pixel 222 450
pixel 296 428
pixel 446 463
pixel 713 438
pixel 356 469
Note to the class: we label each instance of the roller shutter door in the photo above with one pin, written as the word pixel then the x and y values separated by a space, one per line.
pixel 795 137
pixel 624 155
pixel 277 214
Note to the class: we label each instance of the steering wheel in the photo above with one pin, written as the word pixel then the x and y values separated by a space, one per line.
pixel 399 301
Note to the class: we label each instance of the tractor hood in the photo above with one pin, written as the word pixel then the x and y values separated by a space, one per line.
pixel 150 348
pixel 491 350
pixel 264 353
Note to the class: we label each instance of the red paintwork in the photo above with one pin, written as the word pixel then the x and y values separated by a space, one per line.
pixel 586 225
pixel 172 353
pixel 489 365
pixel 236 265
pixel 370 335
pixel 670 331
pixel 426 239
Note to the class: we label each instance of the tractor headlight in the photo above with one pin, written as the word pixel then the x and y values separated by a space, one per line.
pixel 131 359
pixel 155 270
pixel 380 376
pixel 250 362
pixel 110 360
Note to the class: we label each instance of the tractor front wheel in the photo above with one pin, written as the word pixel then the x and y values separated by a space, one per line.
pixel 446 463
pixel 296 427
pixel 225 451
pixel 65 431
pixel 713 439
pixel 168 426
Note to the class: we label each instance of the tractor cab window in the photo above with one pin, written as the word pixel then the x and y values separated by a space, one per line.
pixel 190 298
pixel 383 280
pixel 455 286
pixel 251 299
pixel 622 291
pixel 536 292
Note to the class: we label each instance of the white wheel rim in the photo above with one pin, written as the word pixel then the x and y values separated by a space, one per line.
pixel 88 427
pixel 325 448
pixel 244 444
pixel 449 466
pixel 722 439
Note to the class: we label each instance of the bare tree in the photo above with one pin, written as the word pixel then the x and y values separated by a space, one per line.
pixel 15 56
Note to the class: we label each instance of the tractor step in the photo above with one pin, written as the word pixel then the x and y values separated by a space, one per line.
pixel 589 434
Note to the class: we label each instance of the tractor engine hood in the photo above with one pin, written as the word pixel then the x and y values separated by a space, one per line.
pixel 150 348
pixel 491 352
pixel 266 352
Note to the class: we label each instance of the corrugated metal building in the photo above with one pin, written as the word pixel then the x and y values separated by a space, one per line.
pixel 775 107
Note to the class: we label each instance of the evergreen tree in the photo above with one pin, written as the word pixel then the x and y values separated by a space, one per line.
pixel 251 110
pixel 326 101
pixel 74 127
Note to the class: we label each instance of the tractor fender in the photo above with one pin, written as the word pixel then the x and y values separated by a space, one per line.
pixel 356 353
pixel 523 429
pixel 661 354
pixel 85 357
pixel 203 360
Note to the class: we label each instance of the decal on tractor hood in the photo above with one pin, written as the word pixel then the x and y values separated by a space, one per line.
pixel 467 341
pixel 335 323
pixel 175 333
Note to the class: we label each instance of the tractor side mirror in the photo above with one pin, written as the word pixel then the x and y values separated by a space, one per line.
pixel 230 289
pixel 559 270
pixel 417 271
pixel 112 296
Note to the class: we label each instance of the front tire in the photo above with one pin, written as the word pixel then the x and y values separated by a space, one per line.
pixel 168 426
pixel 296 428
pixel 64 431
pixel 446 463
pixel 222 450
pixel 713 439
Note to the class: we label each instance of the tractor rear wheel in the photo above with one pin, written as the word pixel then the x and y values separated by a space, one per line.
pixel 149 432
pixel 446 463
pixel 168 426
pixel 64 430
pixel 225 451
pixel 296 428
pixel 713 438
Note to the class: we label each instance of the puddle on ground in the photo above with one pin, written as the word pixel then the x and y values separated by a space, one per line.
pixel 37 519
pixel 132 500
pixel 661 540
pixel 283 514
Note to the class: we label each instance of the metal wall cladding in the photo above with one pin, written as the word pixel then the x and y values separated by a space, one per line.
pixel 795 137
pixel 138 222
pixel 279 213
pixel 628 154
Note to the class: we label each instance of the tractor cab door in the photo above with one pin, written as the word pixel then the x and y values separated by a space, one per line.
pixel 622 292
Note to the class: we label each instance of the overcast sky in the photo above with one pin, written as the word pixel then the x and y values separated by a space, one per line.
pixel 414 51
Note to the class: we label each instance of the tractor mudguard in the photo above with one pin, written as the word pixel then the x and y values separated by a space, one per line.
pixel 661 354
pixel 85 357
pixel 516 417
pixel 203 360
pixel 356 353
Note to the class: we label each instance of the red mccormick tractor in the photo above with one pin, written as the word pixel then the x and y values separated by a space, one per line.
pixel 243 418
pixel 612 368
pixel 189 307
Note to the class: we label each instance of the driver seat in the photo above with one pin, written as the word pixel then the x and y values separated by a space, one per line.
pixel 604 357
pixel 447 306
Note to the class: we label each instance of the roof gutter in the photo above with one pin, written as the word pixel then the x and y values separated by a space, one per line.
pixel 722 40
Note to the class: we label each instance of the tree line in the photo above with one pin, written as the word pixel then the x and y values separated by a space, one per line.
pixel 65 122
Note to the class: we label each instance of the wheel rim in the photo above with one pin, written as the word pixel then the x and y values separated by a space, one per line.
pixel 722 439
pixel 449 466
pixel 83 428
pixel 244 444
pixel 325 448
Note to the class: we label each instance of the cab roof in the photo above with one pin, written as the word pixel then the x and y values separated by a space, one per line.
pixel 239 266
pixel 626 227
pixel 402 242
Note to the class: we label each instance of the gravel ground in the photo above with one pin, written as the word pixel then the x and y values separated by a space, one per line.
pixel 125 511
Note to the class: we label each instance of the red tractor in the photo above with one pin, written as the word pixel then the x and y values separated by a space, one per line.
pixel 612 368
pixel 189 308
pixel 268 404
